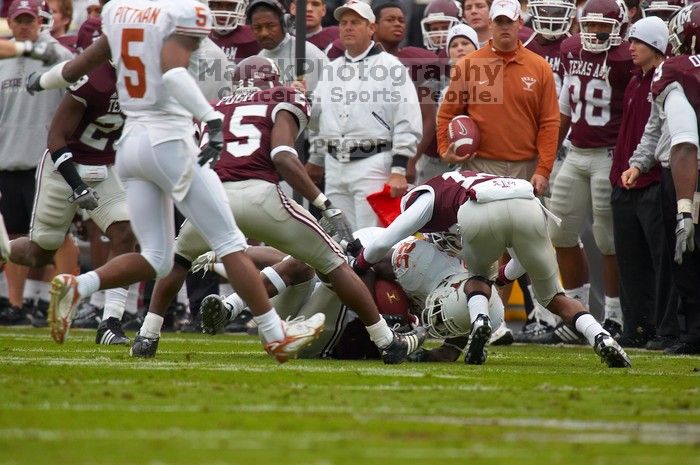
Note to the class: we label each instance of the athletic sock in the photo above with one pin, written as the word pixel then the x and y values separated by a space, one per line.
pixel 270 326
pixel 115 303
pixel 380 333
pixel 589 327
pixel 151 326
pixel 88 283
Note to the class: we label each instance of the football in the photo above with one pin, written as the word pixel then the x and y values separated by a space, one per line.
pixel 391 300
pixel 464 133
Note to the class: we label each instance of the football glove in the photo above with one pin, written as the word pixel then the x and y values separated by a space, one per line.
pixel 685 236
pixel 44 50
pixel 336 219
pixel 33 84
pixel 204 262
pixel 210 153
pixel 85 197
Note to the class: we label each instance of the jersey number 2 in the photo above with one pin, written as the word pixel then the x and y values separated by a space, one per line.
pixel 136 88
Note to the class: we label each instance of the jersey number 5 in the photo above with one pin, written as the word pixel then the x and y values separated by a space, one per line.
pixel 135 87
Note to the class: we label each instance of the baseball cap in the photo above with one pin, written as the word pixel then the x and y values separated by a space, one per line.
pixel 462 30
pixel 508 8
pixel 361 8
pixel 652 31
pixel 20 7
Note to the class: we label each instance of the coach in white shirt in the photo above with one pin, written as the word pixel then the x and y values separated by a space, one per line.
pixel 366 120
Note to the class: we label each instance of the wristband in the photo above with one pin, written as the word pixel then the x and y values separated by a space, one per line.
pixel 398 170
pixel 685 206
pixel 53 78
pixel 23 48
pixel 283 148
pixel 61 156
pixel 321 202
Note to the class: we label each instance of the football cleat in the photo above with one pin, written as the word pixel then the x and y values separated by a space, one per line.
pixel 64 301
pixel 561 334
pixel 39 314
pixel 88 316
pixel 215 314
pixel 478 338
pixel 144 347
pixel 298 333
pixel 403 345
pixel 610 352
pixel 110 332
pixel 533 330
pixel 502 336
pixel 14 316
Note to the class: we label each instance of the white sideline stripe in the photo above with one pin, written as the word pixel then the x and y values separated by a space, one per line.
pixel 243 366
pixel 569 431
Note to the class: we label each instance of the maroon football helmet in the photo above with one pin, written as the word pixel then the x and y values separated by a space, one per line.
pixel 89 31
pixel 256 72
pixel 684 30
pixel 664 9
pixel 438 18
pixel 607 12
pixel 45 16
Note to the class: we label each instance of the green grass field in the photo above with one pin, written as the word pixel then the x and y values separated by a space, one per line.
pixel 221 400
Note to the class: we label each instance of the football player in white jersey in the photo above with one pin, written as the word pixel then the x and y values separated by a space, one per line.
pixel 151 44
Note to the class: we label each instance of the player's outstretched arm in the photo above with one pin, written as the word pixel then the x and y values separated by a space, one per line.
pixel 63 125
pixel 65 73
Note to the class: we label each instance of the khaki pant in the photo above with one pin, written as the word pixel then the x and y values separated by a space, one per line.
pixel 264 213
pixel 53 213
pixel 514 169
pixel 487 229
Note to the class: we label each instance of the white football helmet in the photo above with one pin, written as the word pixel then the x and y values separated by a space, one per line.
pixel 227 14
pixel 552 18
pixel 449 243
pixel 446 313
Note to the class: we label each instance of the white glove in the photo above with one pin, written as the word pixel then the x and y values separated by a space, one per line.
pixel 204 262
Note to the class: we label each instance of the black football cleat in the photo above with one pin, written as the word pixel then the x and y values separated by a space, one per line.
pixel 403 345
pixel 610 352
pixel 110 332
pixel 14 316
pixel 144 347
pixel 478 338
pixel 613 327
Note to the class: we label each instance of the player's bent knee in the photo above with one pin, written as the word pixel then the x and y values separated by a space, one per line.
pixel 604 240
pixel 48 242
pixel 162 264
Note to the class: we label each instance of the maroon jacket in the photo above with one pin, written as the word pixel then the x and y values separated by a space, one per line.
pixel 636 107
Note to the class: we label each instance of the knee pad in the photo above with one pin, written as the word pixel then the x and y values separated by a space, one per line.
pixel 161 263
pixel 47 241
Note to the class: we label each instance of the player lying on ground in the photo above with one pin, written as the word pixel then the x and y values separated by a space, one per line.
pixel 261 123
pixel 492 214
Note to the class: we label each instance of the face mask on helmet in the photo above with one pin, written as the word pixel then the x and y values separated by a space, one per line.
pixel 684 30
pixel 227 14
pixel 662 9
pixel 552 18
pixel 446 313
pixel 435 29
pixel 448 243
pixel 601 24
pixel 45 17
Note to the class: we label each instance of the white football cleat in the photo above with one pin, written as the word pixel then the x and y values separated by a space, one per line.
pixel 501 336
pixel 298 333
pixel 64 302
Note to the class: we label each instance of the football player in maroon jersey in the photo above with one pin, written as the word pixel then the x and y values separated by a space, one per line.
pixel 491 213
pixel 261 123
pixel 229 30
pixel 597 65
pixel 77 172
pixel 321 37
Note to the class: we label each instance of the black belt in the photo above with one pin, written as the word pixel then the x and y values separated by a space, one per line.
pixel 362 150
